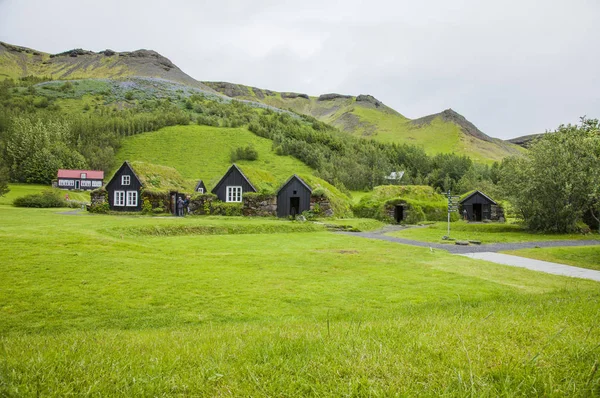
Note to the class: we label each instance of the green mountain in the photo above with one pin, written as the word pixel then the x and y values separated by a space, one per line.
pixel 365 116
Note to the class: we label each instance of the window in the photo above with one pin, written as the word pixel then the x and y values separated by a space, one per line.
pixel 234 194
pixel 201 190
pixel 125 180
pixel 119 198
pixel 83 176
pixel 132 198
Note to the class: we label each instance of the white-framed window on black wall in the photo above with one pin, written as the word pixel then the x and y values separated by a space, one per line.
pixel 132 198
pixel 119 198
pixel 83 176
pixel 125 180
pixel 234 194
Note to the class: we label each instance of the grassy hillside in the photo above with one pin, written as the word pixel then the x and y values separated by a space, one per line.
pixel 203 152
pixel 365 116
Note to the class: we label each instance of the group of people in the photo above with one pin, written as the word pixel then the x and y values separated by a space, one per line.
pixel 183 206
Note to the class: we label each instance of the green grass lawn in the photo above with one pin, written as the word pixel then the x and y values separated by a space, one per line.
pixel 202 152
pixel 486 233
pixel 90 305
pixel 582 256
pixel 19 190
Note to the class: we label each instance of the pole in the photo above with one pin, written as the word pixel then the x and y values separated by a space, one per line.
pixel 449 201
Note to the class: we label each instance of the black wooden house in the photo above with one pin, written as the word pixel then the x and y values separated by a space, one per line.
pixel 480 207
pixel 124 190
pixel 293 197
pixel 233 185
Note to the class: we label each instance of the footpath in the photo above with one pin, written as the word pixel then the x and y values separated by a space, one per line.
pixel 489 252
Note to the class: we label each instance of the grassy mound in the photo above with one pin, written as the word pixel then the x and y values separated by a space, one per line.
pixel 340 202
pixel 423 203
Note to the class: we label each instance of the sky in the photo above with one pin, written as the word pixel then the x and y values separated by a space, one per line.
pixel 511 67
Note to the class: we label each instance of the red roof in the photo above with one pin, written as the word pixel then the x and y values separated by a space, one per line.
pixel 89 174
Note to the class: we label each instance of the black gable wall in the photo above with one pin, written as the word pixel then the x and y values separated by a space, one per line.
pixel 293 189
pixel 115 185
pixel 232 178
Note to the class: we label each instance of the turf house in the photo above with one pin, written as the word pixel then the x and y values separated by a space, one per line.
pixel 480 207
pixel 140 186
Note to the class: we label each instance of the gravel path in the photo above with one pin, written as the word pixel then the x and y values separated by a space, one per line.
pixel 537 265
pixel 456 249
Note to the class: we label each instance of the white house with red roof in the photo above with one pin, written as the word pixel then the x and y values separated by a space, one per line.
pixel 79 179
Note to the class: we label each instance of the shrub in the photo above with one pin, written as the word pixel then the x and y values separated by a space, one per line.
pixel 45 199
pixel 129 96
pixel 226 209
pixel 244 153
pixel 101 208
pixel 146 206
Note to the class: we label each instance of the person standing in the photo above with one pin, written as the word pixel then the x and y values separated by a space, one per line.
pixel 186 203
pixel 465 215
pixel 180 207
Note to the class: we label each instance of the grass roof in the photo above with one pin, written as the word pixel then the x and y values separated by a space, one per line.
pixel 159 178
pixel 340 202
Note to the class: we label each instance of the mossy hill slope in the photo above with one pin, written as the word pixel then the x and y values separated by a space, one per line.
pixel 16 62
pixel 203 153
pixel 364 115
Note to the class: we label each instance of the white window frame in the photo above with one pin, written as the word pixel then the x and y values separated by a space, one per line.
pixel 119 198
pixel 83 176
pixel 132 198
pixel 201 190
pixel 233 194
pixel 125 180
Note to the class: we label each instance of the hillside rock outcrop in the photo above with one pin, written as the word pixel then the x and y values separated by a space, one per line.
pixel 332 96
pixel 294 95
pixel 369 99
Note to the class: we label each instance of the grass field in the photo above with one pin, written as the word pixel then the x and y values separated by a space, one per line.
pixel 486 233
pixel 100 305
pixel 203 152
pixel 583 256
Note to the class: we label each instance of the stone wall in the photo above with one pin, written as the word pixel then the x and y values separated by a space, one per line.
pixel 497 213
pixel 98 197
pixel 202 204
pixel 259 205
pixel 322 204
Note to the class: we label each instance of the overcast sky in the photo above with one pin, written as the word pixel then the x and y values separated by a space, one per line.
pixel 512 67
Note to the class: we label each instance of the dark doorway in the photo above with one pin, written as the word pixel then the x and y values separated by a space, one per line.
pixel 294 206
pixel 76 184
pixel 399 213
pixel 477 212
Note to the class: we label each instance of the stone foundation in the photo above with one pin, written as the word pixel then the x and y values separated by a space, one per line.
pixel 322 204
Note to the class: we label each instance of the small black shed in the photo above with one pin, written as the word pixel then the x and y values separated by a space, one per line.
pixel 233 185
pixel 124 190
pixel 200 187
pixel 293 197
pixel 479 207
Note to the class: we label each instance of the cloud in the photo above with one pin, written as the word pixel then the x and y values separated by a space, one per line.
pixel 512 67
